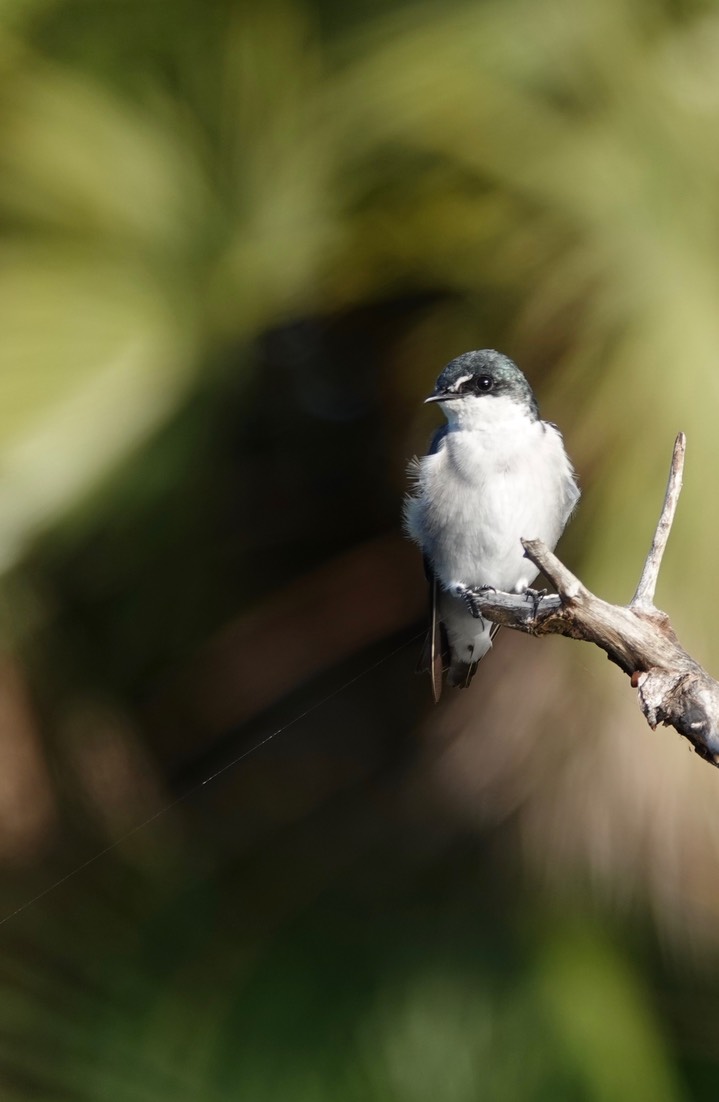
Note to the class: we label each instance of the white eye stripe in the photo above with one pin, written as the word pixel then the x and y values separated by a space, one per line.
pixel 464 379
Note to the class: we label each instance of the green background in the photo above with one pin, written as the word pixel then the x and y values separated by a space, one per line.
pixel 237 244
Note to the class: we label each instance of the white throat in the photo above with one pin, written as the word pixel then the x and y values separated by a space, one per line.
pixel 488 413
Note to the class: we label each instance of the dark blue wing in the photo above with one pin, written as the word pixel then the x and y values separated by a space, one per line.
pixel 437 439
pixel 435 654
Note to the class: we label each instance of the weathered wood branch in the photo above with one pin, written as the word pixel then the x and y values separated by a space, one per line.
pixel 644 596
pixel 673 688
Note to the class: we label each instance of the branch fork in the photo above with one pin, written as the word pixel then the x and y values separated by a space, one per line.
pixel 673 688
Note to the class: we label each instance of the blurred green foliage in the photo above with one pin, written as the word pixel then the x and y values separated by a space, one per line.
pixel 238 241
pixel 399 994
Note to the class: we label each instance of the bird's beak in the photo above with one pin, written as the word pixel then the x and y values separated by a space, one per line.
pixel 444 396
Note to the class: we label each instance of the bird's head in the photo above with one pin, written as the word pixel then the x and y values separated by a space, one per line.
pixel 482 387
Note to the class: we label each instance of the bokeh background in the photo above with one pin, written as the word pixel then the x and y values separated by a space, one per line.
pixel 237 243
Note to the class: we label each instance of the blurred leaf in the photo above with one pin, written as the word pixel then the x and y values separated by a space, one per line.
pixel 599 1014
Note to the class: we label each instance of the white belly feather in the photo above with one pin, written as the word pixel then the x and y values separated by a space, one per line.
pixel 481 493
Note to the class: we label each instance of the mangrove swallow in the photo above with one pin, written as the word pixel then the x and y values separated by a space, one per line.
pixel 494 474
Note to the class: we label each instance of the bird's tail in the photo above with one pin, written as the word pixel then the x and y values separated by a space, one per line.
pixel 438 657
pixel 435 656
pixel 460 673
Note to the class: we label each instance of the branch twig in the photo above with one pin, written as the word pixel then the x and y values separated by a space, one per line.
pixel 644 596
pixel 673 688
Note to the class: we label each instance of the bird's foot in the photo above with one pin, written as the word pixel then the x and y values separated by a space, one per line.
pixel 535 596
pixel 470 595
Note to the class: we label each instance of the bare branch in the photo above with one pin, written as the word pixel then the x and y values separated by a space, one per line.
pixel 553 568
pixel 644 596
pixel 673 688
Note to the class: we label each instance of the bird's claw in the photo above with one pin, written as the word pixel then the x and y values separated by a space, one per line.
pixel 535 595
pixel 463 593
pixel 470 596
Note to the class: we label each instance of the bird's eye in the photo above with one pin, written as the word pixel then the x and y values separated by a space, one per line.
pixel 484 383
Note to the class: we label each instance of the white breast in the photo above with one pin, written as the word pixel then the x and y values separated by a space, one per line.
pixel 490 484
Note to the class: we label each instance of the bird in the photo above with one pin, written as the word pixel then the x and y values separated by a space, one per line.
pixel 494 474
